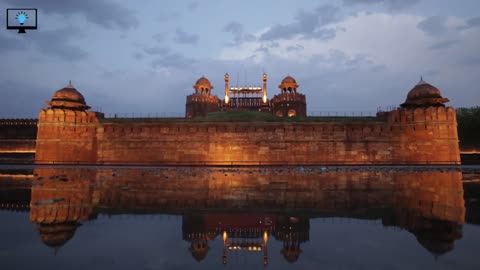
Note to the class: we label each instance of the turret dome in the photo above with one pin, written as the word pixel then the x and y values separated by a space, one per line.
pixel 423 95
pixel 68 98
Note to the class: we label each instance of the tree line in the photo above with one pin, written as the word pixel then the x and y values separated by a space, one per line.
pixel 468 120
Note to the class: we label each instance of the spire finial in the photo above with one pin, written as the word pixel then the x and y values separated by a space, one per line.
pixel 69 84
pixel 421 81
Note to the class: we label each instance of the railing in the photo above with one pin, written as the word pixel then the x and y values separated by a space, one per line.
pixel 387 108
pixel 146 115
pixel 342 114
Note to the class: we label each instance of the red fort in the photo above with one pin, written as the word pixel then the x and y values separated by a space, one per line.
pixel 422 130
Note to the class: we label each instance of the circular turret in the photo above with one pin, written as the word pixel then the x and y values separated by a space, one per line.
pixel 288 85
pixel 68 98
pixel 424 95
pixel 203 86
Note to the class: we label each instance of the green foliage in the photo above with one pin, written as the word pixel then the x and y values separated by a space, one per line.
pixel 468 120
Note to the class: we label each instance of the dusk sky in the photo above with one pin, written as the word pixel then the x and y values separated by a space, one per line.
pixel 144 56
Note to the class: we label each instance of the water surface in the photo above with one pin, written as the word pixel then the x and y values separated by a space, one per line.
pixel 239 218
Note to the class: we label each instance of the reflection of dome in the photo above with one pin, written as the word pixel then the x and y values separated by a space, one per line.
pixel 199 249
pixel 69 98
pixel 289 79
pixel 424 94
pixel 437 236
pixel 291 254
pixel 56 235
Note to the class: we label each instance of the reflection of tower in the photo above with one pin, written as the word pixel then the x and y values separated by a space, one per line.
pixel 56 235
pixel 292 231
pixel 59 202
pixel 195 232
pixel 240 233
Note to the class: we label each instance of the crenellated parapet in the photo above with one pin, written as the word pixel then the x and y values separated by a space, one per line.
pixel 53 115
pixel 422 114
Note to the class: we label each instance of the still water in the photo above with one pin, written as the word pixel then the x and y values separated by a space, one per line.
pixel 239 218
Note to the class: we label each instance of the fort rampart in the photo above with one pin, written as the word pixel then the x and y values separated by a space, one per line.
pixel 404 136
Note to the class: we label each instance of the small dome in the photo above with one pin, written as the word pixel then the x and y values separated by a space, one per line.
pixel 288 84
pixel 68 97
pixel 424 94
pixel 203 85
pixel 203 81
pixel 289 79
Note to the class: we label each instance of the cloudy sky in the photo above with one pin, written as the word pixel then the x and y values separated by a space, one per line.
pixel 347 55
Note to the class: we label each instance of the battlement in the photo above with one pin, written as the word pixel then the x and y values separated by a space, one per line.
pixel 70 116
pixel 202 98
pixel 427 114
pixel 289 97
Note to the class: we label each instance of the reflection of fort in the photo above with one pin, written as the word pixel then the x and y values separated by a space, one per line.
pixel 246 210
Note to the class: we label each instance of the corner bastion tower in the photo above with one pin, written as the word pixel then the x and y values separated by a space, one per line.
pixel 289 102
pixel 66 130
pixel 202 101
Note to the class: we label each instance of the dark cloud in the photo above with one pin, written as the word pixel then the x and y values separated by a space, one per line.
pixel 59 43
pixel 296 48
pixel 193 5
pixel 185 38
pixel 21 100
pixel 156 50
pixel 390 4
pixel 307 24
pixel 239 36
pixel 433 26
pixel 472 60
pixel 473 22
pixel 160 37
pixel 138 56
pixel 443 45
pixel 174 60
pixel 470 23
pixel 8 43
pixel 106 13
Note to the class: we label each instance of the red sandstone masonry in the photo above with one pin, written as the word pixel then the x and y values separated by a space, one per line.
pixel 409 136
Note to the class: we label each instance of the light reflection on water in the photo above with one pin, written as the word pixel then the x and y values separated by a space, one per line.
pixel 285 218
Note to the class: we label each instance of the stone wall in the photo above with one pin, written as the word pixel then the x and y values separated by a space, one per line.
pixel 17 135
pixel 420 136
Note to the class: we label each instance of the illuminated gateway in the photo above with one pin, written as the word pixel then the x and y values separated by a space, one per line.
pixel 246 98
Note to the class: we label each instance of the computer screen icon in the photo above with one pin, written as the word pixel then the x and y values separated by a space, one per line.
pixel 21 19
